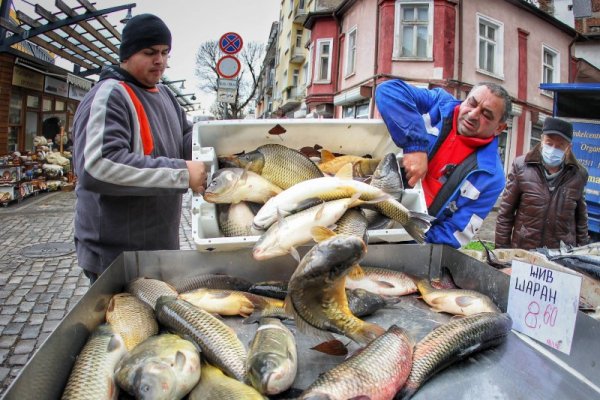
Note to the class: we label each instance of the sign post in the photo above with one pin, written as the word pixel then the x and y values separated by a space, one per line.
pixel 228 67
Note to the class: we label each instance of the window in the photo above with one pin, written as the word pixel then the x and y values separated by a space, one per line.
pixel 351 52
pixel 289 40
pixel 414 29
pixel 490 46
pixel 33 101
pixel 46 104
pixel 323 59
pixel 309 70
pixel 301 5
pixel 295 77
pixel 536 136
pixel 298 37
pixel 358 111
pixel 550 65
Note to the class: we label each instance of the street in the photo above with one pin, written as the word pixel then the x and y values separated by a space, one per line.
pixel 40 280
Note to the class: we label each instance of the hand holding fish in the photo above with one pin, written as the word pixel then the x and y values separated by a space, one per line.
pixel 415 165
pixel 197 171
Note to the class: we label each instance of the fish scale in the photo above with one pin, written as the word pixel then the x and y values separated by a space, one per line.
pixel 376 372
pixel 132 318
pixel 218 341
pixel 92 376
pixel 451 342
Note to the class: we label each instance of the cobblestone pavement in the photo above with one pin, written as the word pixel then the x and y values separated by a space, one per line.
pixel 36 293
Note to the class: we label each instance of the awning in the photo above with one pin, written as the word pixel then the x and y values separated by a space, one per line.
pixel 353 95
pixel 79 82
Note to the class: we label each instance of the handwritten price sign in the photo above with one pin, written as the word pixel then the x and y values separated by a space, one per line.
pixel 543 304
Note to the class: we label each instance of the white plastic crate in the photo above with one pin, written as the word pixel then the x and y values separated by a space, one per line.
pixel 355 137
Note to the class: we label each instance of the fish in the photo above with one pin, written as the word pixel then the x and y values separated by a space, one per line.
pixel 382 281
pixel 232 185
pixel 163 367
pixel 233 302
pixel 92 376
pixel 149 290
pixel 353 222
pixel 279 164
pixel 131 318
pixel 492 259
pixel 363 303
pixel 361 166
pixel 376 372
pixel 286 234
pixel 218 342
pixel 215 385
pixel 360 302
pixel 210 281
pixel 316 295
pixel 273 289
pixel 451 342
pixel 236 219
pixel 272 361
pixel 455 301
pixel 581 262
pixel 336 187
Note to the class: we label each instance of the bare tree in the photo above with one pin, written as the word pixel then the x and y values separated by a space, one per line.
pixel 250 57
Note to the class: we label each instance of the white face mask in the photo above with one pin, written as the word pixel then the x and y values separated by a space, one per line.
pixel 552 156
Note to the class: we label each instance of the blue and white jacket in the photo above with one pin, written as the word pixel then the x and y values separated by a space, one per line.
pixel 415 118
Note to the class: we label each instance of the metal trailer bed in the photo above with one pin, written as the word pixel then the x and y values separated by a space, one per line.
pixel 518 369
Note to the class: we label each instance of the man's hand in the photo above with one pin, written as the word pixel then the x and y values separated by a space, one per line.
pixel 415 166
pixel 197 172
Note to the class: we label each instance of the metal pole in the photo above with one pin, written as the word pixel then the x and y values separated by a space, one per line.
pixel 4 13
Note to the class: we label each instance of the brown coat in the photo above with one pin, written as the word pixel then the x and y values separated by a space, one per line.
pixel 531 217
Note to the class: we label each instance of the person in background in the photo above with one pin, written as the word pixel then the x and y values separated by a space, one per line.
pixel 131 143
pixel 544 203
pixel 452 147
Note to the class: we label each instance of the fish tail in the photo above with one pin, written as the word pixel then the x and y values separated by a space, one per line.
pixel 424 286
pixel 418 223
pixel 406 392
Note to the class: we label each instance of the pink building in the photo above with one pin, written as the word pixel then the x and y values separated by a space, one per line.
pixel 439 43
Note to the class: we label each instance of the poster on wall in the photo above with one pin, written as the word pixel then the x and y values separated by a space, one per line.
pixel 76 93
pixel 56 86
pixel 28 79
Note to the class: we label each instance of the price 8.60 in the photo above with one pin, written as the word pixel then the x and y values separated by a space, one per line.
pixel 533 319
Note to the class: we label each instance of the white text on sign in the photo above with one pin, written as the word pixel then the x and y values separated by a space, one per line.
pixel 543 304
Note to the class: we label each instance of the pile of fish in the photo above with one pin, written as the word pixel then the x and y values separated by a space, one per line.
pixel 168 340
pixel 281 194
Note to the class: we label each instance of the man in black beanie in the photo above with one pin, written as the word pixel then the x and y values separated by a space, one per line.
pixel 543 203
pixel 131 143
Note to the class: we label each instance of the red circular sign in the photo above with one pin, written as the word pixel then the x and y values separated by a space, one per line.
pixel 228 66
pixel 231 43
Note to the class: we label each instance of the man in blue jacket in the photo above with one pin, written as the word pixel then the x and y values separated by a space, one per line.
pixel 452 147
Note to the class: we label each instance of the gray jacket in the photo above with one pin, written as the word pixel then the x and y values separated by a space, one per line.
pixel 129 190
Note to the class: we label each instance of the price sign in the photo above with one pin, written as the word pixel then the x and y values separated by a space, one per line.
pixel 543 304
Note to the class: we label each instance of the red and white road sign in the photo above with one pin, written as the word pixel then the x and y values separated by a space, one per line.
pixel 228 66
pixel 231 43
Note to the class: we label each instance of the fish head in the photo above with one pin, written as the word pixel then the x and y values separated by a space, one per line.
pixel 341 252
pixel 268 246
pixel 387 176
pixel 253 160
pixel 154 380
pixel 268 373
pixel 222 185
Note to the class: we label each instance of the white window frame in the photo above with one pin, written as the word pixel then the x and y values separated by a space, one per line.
pixel 299 33
pixel 350 68
pixel 555 68
pixel 498 72
pixel 397 53
pixel 321 42
pixel 309 71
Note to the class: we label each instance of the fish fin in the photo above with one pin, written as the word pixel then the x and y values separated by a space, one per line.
pixel 332 347
pixel 326 155
pixel 319 213
pixel 464 301
pixel 302 325
pixel 418 223
pixel 321 233
pixel 424 286
pixel 111 305
pixel 367 333
pixel 384 284
pixel 356 272
pixel 294 253
pixel 345 172
pixel 114 343
pixel 252 318
pixel 360 397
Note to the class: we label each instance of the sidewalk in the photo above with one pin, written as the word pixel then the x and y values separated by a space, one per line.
pixel 37 292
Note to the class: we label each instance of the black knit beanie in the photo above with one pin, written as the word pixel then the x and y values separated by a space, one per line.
pixel 141 32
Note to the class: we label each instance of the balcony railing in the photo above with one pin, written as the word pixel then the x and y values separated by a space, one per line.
pixel 297 54
pixel 300 15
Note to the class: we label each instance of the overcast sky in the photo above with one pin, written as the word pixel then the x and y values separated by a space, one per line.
pixel 191 22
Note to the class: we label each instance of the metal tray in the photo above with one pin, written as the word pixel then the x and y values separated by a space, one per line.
pixel 518 369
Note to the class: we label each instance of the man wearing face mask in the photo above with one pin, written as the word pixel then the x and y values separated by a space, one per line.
pixel 543 203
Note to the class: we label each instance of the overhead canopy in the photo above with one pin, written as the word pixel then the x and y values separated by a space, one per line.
pixel 575 100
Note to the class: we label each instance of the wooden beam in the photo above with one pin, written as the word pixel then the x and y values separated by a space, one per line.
pixel 89 28
pixel 59 39
pixel 50 47
pixel 89 7
pixel 72 32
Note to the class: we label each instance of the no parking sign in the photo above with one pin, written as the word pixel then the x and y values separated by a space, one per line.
pixel 231 43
